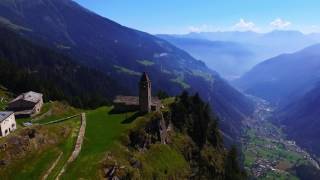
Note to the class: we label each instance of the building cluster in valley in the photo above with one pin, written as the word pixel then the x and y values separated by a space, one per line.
pixel 25 105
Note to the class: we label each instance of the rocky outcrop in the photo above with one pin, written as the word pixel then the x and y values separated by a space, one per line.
pixel 153 131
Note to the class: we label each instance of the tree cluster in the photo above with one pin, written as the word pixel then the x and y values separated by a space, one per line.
pixel 192 116
pixel 25 66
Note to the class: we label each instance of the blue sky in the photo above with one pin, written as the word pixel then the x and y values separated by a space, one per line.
pixel 183 16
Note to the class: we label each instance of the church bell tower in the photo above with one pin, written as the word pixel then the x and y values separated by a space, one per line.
pixel 145 93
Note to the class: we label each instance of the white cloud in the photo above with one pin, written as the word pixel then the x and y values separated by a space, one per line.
pixel 201 28
pixel 280 23
pixel 244 25
pixel 194 29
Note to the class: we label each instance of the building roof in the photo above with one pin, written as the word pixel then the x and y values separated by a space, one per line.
pixel 127 100
pixel 29 96
pixel 4 115
pixel 134 100
pixel 24 113
pixel 144 77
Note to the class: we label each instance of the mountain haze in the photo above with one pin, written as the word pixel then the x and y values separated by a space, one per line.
pixel 261 46
pixel 222 56
pixel 282 78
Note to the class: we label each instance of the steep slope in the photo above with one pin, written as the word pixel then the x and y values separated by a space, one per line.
pixel 229 59
pixel 301 120
pixel 25 66
pixel 181 142
pixel 285 77
pixel 122 53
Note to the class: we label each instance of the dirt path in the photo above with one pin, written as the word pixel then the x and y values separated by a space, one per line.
pixel 52 167
pixel 78 145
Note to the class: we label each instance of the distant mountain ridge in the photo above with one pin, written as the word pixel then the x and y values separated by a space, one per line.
pixel 260 45
pixel 122 54
pixel 282 78
pixel 222 56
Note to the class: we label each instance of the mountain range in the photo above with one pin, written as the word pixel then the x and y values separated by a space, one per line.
pixel 222 56
pixel 283 78
pixel 121 54
pixel 242 50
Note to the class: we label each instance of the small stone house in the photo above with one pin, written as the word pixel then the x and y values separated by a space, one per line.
pixel 7 123
pixel 26 104
pixel 144 102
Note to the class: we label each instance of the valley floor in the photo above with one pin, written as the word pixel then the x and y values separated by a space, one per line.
pixel 268 153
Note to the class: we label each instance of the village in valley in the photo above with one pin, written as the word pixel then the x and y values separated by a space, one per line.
pixel 268 153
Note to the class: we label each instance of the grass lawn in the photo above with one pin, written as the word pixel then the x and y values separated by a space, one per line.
pixel 37 162
pixel 67 147
pixel 31 167
pixel 103 129
pixel 162 161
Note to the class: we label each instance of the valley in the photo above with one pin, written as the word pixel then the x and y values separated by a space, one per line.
pixel 267 152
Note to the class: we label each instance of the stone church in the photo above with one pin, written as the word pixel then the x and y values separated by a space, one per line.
pixel 144 103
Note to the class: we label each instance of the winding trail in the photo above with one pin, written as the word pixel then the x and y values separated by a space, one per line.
pixel 78 145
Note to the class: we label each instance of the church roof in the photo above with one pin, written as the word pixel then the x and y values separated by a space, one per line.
pixel 134 100
pixel 144 77
pixel 127 100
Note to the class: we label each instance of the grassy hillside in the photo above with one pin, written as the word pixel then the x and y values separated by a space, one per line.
pixel 103 130
pixel 154 145
pixel 34 163
pixel 180 142
pixel 34 155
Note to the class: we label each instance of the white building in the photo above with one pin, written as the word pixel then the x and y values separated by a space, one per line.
pixel 7 123
pixel 26 104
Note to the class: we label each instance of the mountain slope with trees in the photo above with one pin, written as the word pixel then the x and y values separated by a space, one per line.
pixel 301 120
pixel 25 66
pixel 123 53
